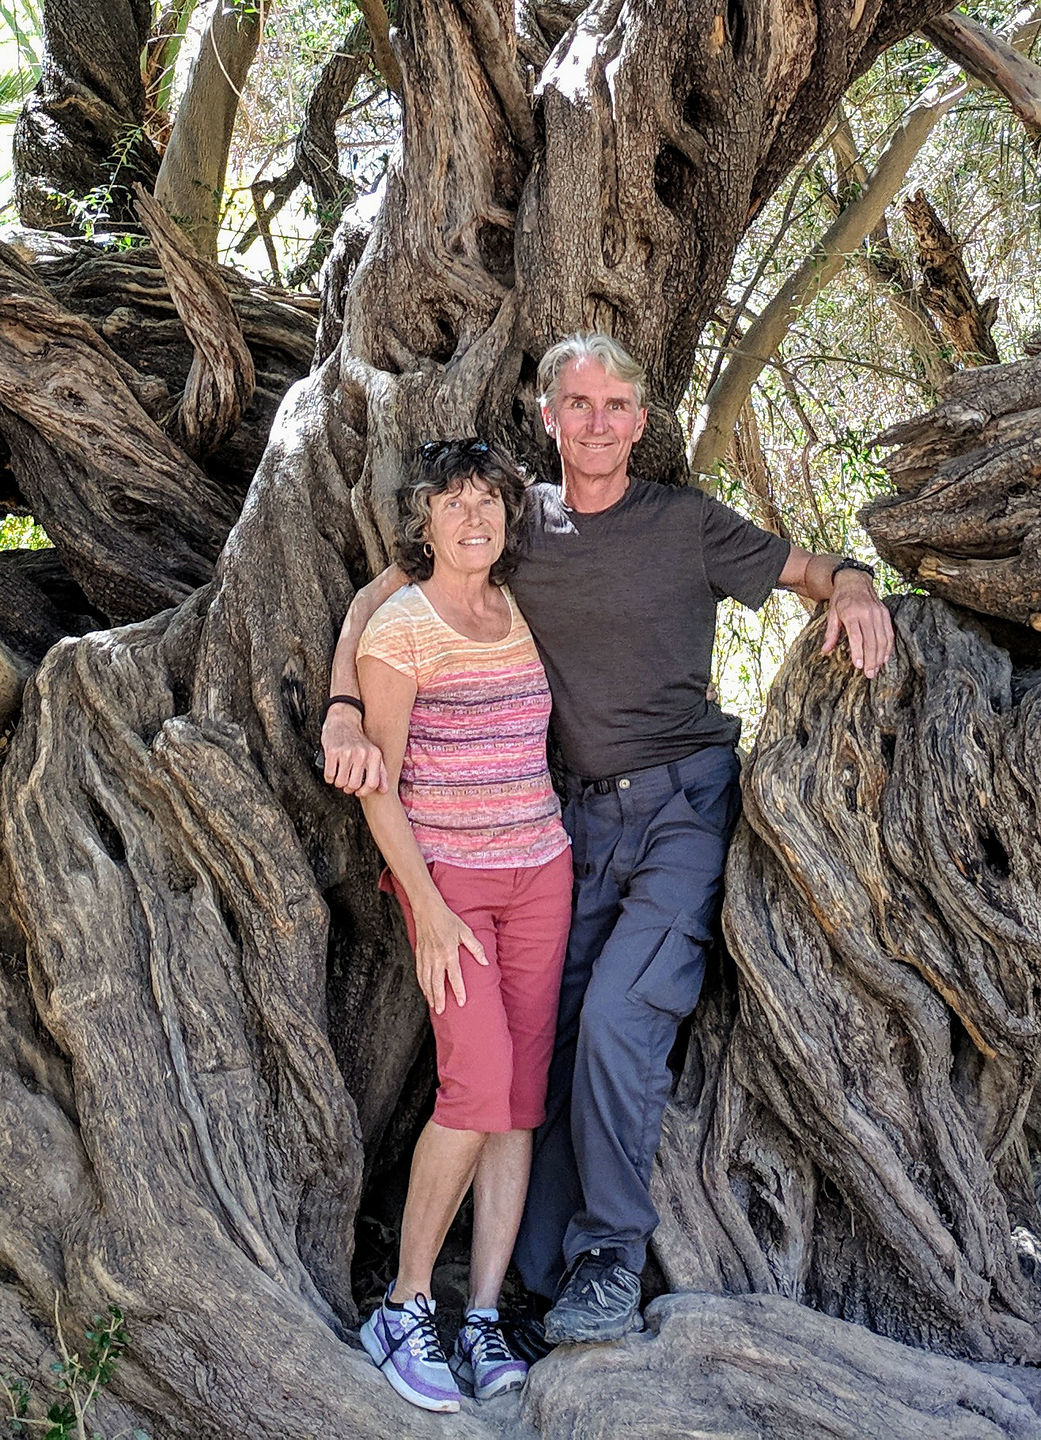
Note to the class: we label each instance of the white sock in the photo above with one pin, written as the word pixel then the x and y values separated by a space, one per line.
pixel 412 1306
pixel 477 1313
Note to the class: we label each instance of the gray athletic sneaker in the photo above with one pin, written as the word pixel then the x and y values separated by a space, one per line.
pixel 403 1342
pixel 599 1299
pixel 483 1359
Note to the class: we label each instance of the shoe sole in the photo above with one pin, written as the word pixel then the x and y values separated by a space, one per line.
pixel 463 1370
pixel 378 1356
pixel 593 1333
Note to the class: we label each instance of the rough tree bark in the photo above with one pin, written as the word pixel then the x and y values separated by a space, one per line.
pixel 883 913
pixel 209 1022
pixel 965 521
pixel 946 287
pixel 222 379
pixel 81 128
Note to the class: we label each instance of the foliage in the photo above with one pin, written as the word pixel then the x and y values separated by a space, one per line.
pixel 78 1382
pixel 846 370
pixel 21 532
pixel 23 19
pixel 92 211
pixel 298 42
pixel 20 27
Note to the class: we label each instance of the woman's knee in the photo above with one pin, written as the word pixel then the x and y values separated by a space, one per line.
pixel 465 1107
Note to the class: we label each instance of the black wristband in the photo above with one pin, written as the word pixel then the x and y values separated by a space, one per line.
pixel 344 700
pixel 849 563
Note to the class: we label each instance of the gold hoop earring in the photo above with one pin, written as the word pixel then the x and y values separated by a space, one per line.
pixel 428 550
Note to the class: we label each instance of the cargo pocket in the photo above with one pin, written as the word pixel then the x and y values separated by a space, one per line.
pixel 671 979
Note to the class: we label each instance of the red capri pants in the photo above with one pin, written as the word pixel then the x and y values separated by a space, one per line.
pixel 493 1053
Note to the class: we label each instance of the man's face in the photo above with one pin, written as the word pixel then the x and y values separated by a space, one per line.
pixel 595 420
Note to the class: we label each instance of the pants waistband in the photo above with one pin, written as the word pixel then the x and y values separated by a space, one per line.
pixel 669 776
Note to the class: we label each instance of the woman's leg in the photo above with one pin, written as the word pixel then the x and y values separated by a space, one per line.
pixel 474 1063
pixel 401 1335
pixel 500 1185
pixel 443 1167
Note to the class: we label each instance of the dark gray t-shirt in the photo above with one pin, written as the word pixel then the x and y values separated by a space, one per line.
pixel 622 605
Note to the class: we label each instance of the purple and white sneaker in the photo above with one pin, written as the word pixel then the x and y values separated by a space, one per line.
pixel 404 1344
pixel 483 1359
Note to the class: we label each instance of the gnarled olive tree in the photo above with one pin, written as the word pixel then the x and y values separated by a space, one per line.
pixel 209 1028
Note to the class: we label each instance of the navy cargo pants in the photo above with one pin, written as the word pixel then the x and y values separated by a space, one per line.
pixel 649 850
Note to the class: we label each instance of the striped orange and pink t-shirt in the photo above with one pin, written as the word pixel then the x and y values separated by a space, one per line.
pixel 474 781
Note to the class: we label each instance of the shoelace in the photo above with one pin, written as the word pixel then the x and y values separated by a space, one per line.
pixel 421 1336
pixel 488 1343
pixel 591 1264
pixel 597 1271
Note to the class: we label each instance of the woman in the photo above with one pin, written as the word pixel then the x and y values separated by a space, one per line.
pixel 456 698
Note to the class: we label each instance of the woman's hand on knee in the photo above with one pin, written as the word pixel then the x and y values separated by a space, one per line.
pixel 439 938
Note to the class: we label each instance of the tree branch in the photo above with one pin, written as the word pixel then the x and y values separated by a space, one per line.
pixel 315 158
pixel 947 288
pixel 378 22
pixel 723 403
pixel 222 378
pixel 993 61
pixel 881 264
pixel 500 62
pixel 160 59
pixel 71 139
pixel 136 522
pixel 191 177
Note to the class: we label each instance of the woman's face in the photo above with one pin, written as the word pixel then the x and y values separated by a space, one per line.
pixel 467 528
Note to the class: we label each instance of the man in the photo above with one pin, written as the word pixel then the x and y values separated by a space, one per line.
pixel 619 588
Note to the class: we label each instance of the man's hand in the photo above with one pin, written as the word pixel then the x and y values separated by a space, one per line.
pixel 352 762
pixel 855 608
pixel 439 935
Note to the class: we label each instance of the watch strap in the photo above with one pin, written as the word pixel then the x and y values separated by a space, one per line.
pixel 849 562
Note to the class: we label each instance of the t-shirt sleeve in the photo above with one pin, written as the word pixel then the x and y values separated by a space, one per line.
pixel 390 636
pixel 741 559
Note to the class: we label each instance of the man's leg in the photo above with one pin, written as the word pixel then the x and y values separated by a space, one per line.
pixel 646 978
pixel 555 1193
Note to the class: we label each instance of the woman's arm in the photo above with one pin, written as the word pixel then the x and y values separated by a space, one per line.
pixel 388 697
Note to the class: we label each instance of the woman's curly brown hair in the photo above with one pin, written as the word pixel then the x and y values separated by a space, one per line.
pixel 442 467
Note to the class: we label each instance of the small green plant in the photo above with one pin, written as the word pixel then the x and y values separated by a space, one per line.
pixel 78 1382
pixel 92 210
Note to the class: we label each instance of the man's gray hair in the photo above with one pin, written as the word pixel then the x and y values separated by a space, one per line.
pixel 591 345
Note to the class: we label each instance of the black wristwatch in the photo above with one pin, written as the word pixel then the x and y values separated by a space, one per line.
pixel 849 563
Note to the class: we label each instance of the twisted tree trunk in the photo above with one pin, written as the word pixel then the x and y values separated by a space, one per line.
pixel 81 131
pixel 211 1022
pixel 883 910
